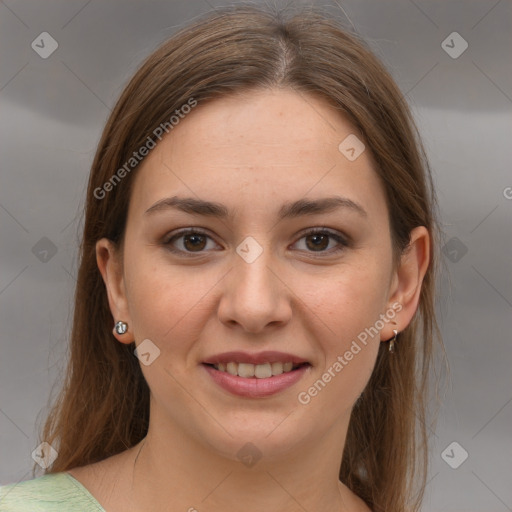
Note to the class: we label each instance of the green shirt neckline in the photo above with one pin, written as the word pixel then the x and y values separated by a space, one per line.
pixel 84 490
pixel 56 492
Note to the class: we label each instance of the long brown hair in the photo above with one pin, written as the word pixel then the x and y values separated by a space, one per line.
pixel 103 407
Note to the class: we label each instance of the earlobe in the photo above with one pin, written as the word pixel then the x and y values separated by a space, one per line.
pixel 408 280
pixel 109 265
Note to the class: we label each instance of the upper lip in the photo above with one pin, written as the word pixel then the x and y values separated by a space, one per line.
pixel 268 356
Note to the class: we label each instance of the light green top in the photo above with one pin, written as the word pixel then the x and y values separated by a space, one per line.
pixel 54 492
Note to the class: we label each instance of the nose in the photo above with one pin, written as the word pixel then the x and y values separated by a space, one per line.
pixel 255 295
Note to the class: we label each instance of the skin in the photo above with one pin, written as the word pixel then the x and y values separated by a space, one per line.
pixel 251 152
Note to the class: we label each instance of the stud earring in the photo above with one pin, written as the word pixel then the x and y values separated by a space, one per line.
pixel 121 327
pixel 392 341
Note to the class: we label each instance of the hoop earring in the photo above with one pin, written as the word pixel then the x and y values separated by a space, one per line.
pixel 121 327
pixel 392 341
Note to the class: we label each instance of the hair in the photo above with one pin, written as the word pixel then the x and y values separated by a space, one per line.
pixel 103 405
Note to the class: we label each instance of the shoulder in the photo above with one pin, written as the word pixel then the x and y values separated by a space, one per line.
pixel 54 492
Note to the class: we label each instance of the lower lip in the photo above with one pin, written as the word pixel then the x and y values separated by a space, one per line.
pixel 254 387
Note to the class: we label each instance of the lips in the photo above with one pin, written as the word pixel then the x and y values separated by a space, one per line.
pixel 225 371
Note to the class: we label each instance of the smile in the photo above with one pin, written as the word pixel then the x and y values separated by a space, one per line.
pixel 256 380
pixel 259 371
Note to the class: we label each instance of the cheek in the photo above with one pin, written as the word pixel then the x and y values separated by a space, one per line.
pixel 168 304
pixel 348 336
pixel 353 300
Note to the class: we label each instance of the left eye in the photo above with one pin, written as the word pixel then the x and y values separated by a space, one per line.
pixel 320 240
pixel 194 240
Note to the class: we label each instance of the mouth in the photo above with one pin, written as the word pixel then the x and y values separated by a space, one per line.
pixel 256 380
pixel 256 371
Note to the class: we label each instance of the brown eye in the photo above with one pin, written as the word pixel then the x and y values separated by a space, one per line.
pixel 318 240
pixel 194 242
pixel 191 241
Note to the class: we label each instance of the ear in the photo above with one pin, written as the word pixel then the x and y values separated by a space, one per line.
pixel 407 281
pixel 110 265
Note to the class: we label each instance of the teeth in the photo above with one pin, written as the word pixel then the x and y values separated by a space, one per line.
pixel 246 370
pixel 260 371
pixel 277 368
pixel 232 368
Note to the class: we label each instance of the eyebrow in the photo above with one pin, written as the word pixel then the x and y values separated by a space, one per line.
pixel 289 210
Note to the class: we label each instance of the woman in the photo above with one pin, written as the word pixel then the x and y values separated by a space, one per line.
pixel 254 313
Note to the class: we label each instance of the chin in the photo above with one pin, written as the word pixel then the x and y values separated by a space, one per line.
pixel 242 441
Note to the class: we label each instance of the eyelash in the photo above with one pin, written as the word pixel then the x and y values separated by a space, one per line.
pixel 342 241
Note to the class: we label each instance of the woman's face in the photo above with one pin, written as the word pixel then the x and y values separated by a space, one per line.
pixel 252 280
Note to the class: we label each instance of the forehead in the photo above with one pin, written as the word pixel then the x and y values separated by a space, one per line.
pixel 269 121
pixel 274 142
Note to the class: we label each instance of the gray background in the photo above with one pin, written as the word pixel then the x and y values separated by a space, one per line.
pixel 53 111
